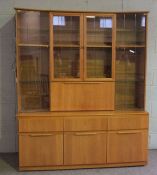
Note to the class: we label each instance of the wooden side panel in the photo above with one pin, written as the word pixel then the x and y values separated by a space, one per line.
pixel 82 96
pixel 127 146
pixel 82 148
pixel 40 124
pixel 126 121
pixel 40 149
pixel 85 123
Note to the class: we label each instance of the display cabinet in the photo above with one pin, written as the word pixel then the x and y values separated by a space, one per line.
pixel 81 88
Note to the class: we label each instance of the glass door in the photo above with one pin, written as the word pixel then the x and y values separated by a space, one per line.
pixel 99 47
pixel 32 30
pixel 130 60
pixel 66 46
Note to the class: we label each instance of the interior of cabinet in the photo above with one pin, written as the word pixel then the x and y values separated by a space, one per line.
pixel 34 78
pixel 33 27
pixel 131 28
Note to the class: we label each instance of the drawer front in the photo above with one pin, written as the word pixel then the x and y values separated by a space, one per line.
pixel 41 149
pixel 84 148
pixel 40 124
pixel 95 123
pixel 127 146
pixel 128 122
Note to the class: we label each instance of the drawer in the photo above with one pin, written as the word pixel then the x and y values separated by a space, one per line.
pixel 127 146
pixel 40 124
pixel 94 123
pixel 128 122
pixel 41 149
pixel 84 148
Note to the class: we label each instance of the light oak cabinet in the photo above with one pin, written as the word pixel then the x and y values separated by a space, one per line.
pixel 81 89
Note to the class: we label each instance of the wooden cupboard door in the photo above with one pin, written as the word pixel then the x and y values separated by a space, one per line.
pixel 40 149
pixel 82 96
pixel 127 146
pixel 84 148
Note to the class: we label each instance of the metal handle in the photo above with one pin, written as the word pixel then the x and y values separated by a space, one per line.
pixel 40 135
pixel 128 132
pixel 85 133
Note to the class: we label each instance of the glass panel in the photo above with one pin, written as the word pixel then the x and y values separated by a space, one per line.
pixel 34 78
pixel 66 62
pixel 130 72
pixel 99 30
pixel 99 62
pixel 66 30
pixel 33 27
pixel 131 29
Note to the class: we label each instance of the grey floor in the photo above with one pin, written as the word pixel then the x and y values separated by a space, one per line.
pixel 9 166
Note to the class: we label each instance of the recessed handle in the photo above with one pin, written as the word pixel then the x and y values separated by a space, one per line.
pixel 85 133
pixel 40 135
pixel 128 132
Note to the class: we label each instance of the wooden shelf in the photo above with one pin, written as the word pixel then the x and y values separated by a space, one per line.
pixel 125 81
pixel 99 46
pixel 33 45
pixel 130 46
pixel 35 81
pixel 66 45
pixel 130 30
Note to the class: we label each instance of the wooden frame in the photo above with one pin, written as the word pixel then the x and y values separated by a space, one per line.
pixel 113 47
pixel 52 78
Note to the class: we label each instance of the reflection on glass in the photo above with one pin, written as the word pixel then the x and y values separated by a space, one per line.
pixel 99 30
pixel 131 29
pixel 66 62
pixel 99 62
pixel 66 30
pixel 34 78
pixel 33 27
pixel 130 71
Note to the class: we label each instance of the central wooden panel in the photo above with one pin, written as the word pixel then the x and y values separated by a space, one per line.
pixel 82 96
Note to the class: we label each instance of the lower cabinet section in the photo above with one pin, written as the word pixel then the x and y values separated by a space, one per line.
pixel 83 141
pixel 40 149
pixel 127 146
pixel 82 148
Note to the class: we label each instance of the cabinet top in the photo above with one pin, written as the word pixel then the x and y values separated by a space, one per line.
pixel 75 11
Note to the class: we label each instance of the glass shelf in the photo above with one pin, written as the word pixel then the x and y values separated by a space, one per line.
pixel 32 45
